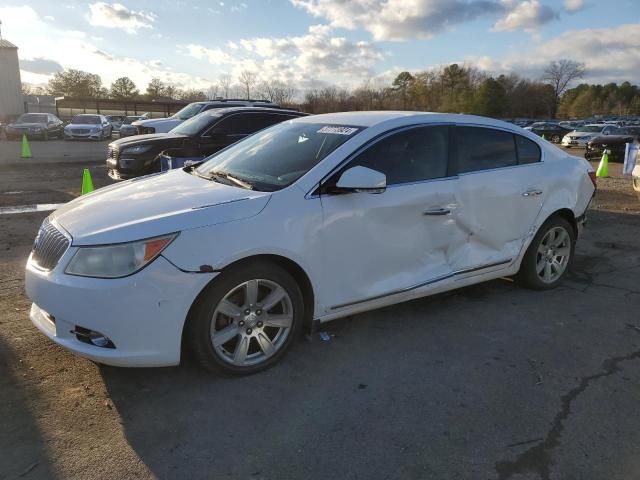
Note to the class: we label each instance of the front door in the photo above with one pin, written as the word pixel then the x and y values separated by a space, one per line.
pixel 377 244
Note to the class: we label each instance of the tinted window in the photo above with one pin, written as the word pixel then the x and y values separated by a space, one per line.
pixel 484 148
pixel 232 125
pixel 258 121
pixel 528 151
pixel 409 156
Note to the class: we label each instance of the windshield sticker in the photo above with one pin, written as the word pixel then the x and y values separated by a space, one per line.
pixel 338 130
pixel 302 138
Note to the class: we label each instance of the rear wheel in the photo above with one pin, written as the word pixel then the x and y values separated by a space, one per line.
pixel 549 256
pixel 246 319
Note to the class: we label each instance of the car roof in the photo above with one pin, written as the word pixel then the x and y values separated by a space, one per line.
pixel 227 110
pixel 372 118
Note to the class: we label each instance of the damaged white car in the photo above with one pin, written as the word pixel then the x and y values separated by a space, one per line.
pixel 304 222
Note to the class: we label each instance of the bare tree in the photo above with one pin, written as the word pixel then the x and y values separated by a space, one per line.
pixel 559 74
pixel 225 81
pixel 247 79
pixel 276 91
pixel 212 92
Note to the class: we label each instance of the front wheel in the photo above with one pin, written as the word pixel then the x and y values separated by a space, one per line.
pixel 549 256
pixel 246 319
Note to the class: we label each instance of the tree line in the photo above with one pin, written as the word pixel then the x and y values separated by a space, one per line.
pixel 454 88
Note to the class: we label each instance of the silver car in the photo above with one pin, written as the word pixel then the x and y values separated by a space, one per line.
pixel 88 127
pixel 126 129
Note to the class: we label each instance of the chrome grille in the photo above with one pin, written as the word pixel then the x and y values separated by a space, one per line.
pixel 49 246
pixel 80 131
pixel 114 153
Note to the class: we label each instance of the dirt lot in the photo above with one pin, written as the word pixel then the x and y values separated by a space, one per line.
pixel 492 381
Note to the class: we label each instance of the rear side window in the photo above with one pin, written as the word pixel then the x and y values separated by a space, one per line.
pixel 528 151
pixel 483 149
pixel 412 155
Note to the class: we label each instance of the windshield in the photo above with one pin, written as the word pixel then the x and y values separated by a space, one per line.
pixel 130 120
pixel 188 111
pixel 538 125
pixel 196 124
pixel 277 156
pixel 591 129
pixel 32 118
pixel 86 120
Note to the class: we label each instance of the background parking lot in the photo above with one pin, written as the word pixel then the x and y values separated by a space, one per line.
pixel 492 381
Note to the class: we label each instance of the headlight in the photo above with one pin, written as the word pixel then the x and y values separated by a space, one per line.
pixel 138 149
pixel 118 260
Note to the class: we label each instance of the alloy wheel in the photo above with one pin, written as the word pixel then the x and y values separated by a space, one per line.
pixel 553 254
pixel 251 322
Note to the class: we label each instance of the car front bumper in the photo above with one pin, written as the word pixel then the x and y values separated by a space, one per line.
pixel 577 143
pixel 82 136
pixel 142 315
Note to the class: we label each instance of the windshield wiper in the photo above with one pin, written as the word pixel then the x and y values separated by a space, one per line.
pixel 232 179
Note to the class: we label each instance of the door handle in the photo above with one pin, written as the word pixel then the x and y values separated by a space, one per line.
pixel 532 193
pixel 437 211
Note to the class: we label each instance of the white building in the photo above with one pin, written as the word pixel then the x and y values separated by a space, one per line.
pixel 10 85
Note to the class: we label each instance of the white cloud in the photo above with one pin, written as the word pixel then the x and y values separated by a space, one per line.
pixel 609 54
pixel 116 15
pixel 573 5
pixel 75 49
pixel 411 19
pixel 302 59
pixel 527 15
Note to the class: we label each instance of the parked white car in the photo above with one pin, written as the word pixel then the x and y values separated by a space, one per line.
pixel 583 135
pixel 88 127
pixel 301 223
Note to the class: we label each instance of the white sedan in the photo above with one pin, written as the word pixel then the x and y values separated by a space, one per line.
pixel 305 222
pixel 583 135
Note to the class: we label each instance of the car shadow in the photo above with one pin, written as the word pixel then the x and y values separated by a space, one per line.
pixel 22 445
pixel 440 387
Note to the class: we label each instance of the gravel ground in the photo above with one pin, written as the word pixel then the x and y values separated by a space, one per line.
pixel 489 382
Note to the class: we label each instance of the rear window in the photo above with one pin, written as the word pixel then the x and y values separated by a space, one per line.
pixel 484 149
pixel 528 151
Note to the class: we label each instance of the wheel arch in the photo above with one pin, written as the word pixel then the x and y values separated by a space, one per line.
pixel 298 273
pixel 565 213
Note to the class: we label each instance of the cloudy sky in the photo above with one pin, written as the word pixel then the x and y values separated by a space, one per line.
pixel 316 42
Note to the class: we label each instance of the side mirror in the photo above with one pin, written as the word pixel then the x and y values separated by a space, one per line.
pixel 362 179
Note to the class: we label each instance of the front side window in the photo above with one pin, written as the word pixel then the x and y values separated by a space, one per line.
pixel 413 155
pixel 279 155
pixel 483 149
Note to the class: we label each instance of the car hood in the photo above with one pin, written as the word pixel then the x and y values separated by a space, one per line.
pixel 146 139
pixel 155 205
pixel 612 139
pixel 84 125
pixel 27 125
pixel 582 134
pixel 164 124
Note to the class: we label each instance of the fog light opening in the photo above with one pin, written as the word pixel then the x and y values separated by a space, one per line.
pixel 91 337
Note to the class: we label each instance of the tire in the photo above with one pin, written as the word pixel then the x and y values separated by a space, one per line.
pixel 555 138
pixel 247 345
pixel 542 270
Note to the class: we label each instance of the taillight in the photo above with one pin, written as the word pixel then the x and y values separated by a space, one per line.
pixel 592 177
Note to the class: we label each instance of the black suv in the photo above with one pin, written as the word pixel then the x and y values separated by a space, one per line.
pixel 35 125
pixel 206 133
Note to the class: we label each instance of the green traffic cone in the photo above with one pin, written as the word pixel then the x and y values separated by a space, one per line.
pixel 543 137
pixel 603 168
pixel 87 184
pixel 26 150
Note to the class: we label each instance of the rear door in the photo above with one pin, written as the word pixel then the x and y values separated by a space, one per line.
pixel 499 194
